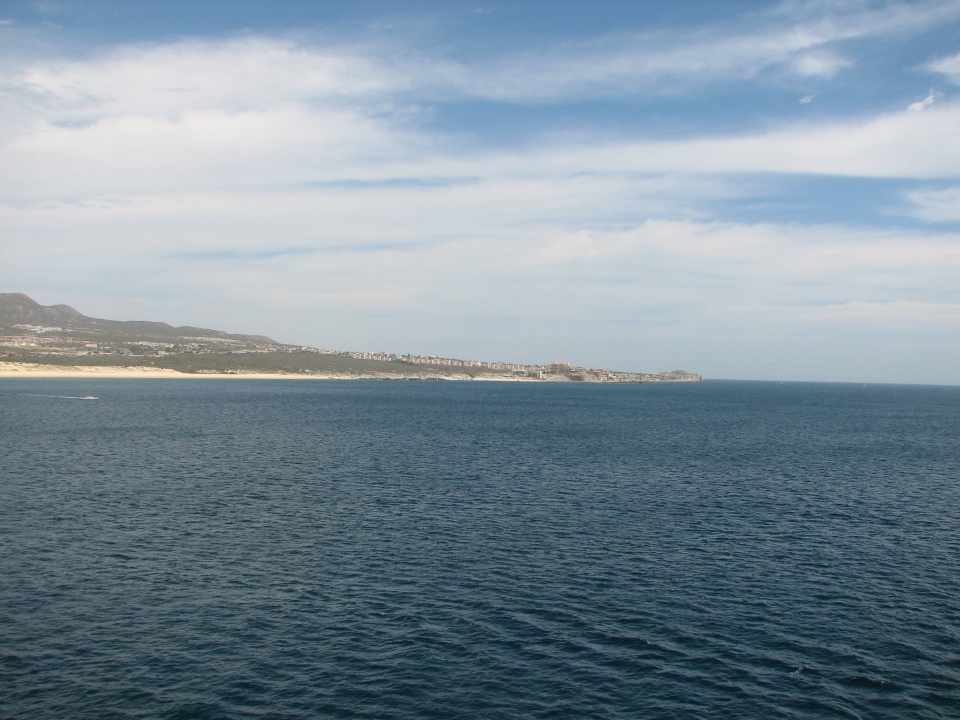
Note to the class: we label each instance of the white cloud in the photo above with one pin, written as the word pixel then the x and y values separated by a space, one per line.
pixel 629 63
pixel 290 144
pixel 194 115
pixel 946 315
pixel 928 101
pixel 820 64
pixel 475 251
pixel 861 18
pixel 940 205
pixel 191 76
pixel 262 110
pixel 255 72
pixel 899 144
pixel 949 66
pixel 801 38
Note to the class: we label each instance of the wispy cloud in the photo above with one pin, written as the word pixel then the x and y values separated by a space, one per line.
pixel 295 144
pixel 801 38
pixel 252 72
pixel 895 144
pixel 948 66
pixel 820 64
pixel 883 313
pixel 929 100
pixel 936 205
pixel 216 255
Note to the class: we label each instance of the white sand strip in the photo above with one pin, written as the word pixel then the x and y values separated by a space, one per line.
pixel 31 370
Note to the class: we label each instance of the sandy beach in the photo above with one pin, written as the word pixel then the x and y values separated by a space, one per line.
pixel 23 370
pixel 31 370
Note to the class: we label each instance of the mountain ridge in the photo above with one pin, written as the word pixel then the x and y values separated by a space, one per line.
pixel 18 308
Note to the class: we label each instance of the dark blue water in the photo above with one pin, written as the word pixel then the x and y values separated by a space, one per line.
pixel 247 549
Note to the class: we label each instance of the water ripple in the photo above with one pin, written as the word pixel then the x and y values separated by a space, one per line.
pixel 240 550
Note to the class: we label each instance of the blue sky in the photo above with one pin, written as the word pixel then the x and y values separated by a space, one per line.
pixel 747 190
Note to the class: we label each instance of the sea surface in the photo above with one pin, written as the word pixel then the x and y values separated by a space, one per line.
pixel 336 549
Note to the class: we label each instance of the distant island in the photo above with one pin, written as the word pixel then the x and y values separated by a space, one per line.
pixel 57 336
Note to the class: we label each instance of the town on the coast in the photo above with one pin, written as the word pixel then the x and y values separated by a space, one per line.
pixel 60 336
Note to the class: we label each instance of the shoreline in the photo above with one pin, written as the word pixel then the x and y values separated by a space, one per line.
pixel 14 370
pixel 107 372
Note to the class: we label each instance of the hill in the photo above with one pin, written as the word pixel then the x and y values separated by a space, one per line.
pixel 18 309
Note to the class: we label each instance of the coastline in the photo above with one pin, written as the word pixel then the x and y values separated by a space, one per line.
pixel 13 370
pixel 105 372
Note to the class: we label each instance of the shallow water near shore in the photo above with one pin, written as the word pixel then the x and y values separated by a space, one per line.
pixel 261 549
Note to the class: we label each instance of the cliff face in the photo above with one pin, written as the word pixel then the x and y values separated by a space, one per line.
pixel 20 309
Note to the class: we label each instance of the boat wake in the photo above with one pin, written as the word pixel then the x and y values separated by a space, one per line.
pixel 64 397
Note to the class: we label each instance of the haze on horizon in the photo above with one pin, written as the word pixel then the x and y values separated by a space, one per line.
pixel 744 190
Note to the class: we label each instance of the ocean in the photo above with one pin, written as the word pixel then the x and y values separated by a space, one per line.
pixel 363 549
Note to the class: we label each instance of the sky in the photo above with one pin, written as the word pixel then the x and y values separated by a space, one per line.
pixel 748 190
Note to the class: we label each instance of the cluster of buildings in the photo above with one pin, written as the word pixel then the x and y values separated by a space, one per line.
pixel 556 370
pixel 434 360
